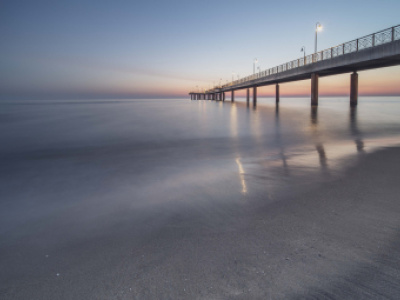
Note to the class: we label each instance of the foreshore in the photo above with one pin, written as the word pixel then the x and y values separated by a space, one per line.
pixel 337 240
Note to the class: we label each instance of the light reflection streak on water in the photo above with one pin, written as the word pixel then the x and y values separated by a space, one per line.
pixel 234 134
pixel 241 173
pixel 233 121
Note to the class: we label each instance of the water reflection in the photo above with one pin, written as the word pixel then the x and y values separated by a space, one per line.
pixel 235 135
pixel 354 130
pixel 264 138
pixel 316 136
pixel 241 173
pixel 234 121
pixel 278 140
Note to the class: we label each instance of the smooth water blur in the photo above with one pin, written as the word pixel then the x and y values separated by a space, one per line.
pixel 88 182
pixel 98 158
pixel 145 152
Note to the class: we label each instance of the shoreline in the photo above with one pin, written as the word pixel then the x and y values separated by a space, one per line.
pixel 339 239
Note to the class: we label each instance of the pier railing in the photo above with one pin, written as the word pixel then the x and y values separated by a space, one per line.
pixel 372 40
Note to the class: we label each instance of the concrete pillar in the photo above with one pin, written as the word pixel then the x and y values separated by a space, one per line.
pixel 248 96
pixel 314 89
pixel 254 96
pixel 223 96
pixel 277 93
pixel 233 96
pixel 354 89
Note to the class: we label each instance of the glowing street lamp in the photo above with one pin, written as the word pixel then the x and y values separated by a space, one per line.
pixel 254 65
pixel 318 27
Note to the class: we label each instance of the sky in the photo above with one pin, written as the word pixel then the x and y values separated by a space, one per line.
pixel 163 49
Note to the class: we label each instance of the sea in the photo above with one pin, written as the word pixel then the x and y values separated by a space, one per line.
pixel 90 181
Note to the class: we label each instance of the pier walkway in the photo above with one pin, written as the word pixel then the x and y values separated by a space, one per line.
pixel 377 50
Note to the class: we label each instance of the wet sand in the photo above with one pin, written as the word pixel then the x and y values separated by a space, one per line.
pixel 337 240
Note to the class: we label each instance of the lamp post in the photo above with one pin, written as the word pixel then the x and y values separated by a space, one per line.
pixel 254 65
pixel 303 49
pixel 318 27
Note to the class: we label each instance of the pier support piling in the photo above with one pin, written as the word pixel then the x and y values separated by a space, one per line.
pixel 277 93
pixel 354 89
pixel 254 96
pixel 314 89
pixel 233 96
pixel 223 96
pixel 248 96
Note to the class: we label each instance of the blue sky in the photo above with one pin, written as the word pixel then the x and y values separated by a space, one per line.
pixel 136 49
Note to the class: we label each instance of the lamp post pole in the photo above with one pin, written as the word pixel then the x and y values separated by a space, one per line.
pixel 318 27
pixel 254 65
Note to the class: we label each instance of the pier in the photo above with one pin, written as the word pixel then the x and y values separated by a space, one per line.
pixel 377 50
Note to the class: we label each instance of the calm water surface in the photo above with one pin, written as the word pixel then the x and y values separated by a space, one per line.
pixel 67 156
pixel 74 171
